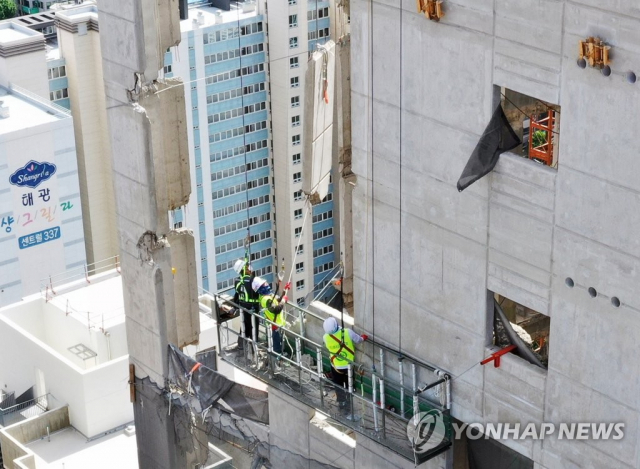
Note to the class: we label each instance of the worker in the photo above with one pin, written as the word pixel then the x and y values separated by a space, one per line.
pixel 245 297
pixel 272 307
pixel 340 344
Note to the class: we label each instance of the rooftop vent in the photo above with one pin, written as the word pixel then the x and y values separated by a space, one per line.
pixel 200 18
pixel 4 110
pixel 218 16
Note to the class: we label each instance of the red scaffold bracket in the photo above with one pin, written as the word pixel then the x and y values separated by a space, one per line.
pixel 495 357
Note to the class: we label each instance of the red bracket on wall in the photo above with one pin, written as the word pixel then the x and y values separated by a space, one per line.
pixel 495 357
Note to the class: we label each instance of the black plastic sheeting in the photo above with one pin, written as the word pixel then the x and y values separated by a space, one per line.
pixel 489 454
pixel 497 138
pixel 213 389
pixel 505 335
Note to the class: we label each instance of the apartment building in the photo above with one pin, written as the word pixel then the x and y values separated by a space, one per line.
pixel 66 69
pixel 307 237
pixel 223 61
pixel 40 212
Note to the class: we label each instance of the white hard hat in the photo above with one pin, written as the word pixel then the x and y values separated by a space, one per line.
pixel 330 325
pixel 239 265
pixel 257 282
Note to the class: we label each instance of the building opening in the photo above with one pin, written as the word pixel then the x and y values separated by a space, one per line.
pixel 513 321
pixel 537 123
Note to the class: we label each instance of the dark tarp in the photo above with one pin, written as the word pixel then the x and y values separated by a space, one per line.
pixel 212 388
pixel 505 336
pixel 497 138
pixel 490 454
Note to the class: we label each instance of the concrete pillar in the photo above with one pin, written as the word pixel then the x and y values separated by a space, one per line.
pixel 151 176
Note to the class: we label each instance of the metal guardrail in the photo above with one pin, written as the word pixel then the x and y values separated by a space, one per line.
pixel 39 99
pixel 24 410
pixel 384 389
pixel 49 285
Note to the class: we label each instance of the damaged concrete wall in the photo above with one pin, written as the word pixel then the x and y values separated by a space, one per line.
pixel 151 176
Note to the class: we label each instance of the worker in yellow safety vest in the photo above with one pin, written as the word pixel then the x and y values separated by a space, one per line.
pixel 340 343
pixel 271 305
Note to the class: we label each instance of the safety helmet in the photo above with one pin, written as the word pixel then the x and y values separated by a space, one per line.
pixel 330 325
pixel 257 282
pixel 239 265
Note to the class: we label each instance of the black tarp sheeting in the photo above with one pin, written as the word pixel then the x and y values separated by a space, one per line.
pixel 497 138
pixel 489 454
pixel 505 336
pixel 213 389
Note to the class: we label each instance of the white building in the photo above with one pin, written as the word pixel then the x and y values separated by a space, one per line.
pixel 40 214
pixel 67 69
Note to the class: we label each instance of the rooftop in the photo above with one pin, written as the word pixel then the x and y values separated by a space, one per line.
pixel 78 14
pixel 26 110
pixel 210 16
pixel 68 448
pixel 11 32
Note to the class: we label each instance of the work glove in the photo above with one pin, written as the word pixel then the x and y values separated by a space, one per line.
pixel 285 298
pixel 364 336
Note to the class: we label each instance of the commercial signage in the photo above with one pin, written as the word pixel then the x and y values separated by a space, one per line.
pixel 33 174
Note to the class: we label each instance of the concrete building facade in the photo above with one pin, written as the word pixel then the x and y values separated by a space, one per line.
pixel 561 241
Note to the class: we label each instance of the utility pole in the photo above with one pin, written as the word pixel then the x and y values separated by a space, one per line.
pixel 150 157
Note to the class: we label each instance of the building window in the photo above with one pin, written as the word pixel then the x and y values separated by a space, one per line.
pixel 295 101
pixel 295 140
pixel 293 42
pixel 299 267
pixel 323 216
pixel 295 82
pixel 322 251
pixel 167 69
pixel 300 285
pixel 297 177
pixel 59 94
pixel 177 225
pixel 531 326
pixel 295 121
pixel 300 249
pixel 536 123
pixel 297 196
pixel 293 2
pixel 296 158
pixel 301 302
pixel 293 21
pixel 297 213
pixel 293 62
pixel 57 72
pixel 298 231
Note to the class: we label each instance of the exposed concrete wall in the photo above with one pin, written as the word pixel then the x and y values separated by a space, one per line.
pixel 519 231
pixel 14 437
pixel 150 160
